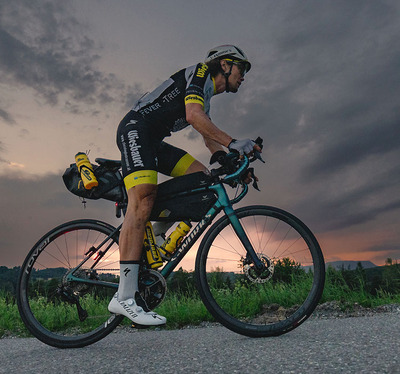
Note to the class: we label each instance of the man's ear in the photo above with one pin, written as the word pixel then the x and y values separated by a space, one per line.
pixel 224 65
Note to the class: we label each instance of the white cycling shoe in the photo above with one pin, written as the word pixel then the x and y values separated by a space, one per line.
pixel 137 314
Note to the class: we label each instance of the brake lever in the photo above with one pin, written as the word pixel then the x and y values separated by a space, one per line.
pixel 255 184
pixel 257 155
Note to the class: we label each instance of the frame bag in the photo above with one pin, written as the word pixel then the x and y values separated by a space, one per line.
pixel 178 200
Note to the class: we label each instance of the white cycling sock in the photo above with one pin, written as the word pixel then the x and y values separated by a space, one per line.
pixel 128 280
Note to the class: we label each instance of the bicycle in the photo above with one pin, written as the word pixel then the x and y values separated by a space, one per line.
pixel 259 270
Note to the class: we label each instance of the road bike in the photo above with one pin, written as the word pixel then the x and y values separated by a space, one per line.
pixel 259 270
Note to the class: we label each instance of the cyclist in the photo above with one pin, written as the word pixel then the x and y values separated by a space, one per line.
pixel 182 100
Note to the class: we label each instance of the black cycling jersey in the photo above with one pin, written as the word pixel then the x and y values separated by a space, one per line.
pixel 154 117
pixel 164 108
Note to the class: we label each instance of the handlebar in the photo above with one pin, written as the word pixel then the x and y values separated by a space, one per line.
pixel 239 172
pixel 234 166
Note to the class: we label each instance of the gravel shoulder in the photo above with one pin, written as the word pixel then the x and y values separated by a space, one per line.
pixel 334 309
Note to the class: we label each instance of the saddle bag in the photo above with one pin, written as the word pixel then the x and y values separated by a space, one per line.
pixel 111 185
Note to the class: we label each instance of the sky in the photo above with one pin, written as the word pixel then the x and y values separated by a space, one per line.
pixel 323 93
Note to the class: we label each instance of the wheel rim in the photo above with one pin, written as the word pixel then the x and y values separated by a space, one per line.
pixel 52 299
pixel 279 298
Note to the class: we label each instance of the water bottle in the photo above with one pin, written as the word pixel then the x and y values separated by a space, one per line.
pixel 173 241
pixel 86 170
pixel 159 229
pixel 152 253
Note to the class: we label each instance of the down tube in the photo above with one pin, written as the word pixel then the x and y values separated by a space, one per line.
pixel 188 242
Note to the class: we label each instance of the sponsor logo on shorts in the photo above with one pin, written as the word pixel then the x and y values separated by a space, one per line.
pixel 134 148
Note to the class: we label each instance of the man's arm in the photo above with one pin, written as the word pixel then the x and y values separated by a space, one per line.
pixel 212 145
pixel 212 135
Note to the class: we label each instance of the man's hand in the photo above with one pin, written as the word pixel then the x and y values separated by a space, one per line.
pixel 244 146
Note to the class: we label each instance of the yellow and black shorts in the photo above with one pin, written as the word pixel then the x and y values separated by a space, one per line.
pixel 143 155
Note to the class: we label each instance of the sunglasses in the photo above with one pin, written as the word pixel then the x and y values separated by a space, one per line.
pixel 242 66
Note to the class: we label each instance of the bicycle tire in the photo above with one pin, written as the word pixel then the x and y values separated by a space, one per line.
pixel 267 304
pixel 43 276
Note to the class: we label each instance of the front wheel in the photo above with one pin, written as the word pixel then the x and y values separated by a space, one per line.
pixel 66 283
pixel 268 302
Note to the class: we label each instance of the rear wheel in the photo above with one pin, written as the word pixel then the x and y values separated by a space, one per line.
pixel 69 309
pixel 260 303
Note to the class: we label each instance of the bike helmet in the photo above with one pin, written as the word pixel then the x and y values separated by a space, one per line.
pixel 228 51
pixel 233 55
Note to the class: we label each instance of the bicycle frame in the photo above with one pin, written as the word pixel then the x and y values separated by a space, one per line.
pixel 223 203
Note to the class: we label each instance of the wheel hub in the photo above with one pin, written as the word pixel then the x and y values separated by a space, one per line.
pixel 255 275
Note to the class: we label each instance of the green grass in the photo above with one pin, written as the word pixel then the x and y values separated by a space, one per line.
pixel 10 321
pixel 186 308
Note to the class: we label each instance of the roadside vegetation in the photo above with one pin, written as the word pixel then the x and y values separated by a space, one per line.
pixel 182 306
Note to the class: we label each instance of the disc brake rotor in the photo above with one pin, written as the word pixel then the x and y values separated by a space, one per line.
pixel 255 275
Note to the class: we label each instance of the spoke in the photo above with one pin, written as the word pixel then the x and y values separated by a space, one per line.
pixel 67 265
pixel 270 236
pixel 226 250
pixel 230 245
pixel 290 246
pixel 287 232
pixel 61 253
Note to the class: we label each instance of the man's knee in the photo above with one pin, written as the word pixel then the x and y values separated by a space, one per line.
pixel 141 199
pixel 195 167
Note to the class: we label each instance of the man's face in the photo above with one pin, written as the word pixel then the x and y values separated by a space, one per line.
pixel 237 75
pixel 235 79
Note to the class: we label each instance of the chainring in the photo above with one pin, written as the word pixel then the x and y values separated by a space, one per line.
pixel 152 287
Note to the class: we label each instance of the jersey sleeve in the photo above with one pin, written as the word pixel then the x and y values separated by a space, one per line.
pixel 195 87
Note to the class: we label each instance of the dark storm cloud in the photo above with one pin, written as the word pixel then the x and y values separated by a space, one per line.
pixel 354 146
pixel 325 98
pixel 323 93
pixel 7 117
pixel 44 47
pixel 30 208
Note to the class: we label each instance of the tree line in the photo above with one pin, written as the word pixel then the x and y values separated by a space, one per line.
pixel 373 280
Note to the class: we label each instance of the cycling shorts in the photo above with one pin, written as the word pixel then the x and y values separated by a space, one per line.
pixel 143 155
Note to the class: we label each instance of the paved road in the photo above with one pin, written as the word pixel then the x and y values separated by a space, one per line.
pixel 349 345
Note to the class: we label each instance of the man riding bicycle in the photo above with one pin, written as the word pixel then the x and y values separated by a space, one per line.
pixel 182 100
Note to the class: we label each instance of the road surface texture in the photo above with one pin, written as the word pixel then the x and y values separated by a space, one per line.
pixel 368 344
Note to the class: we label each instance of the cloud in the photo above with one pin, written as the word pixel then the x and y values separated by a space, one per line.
pixel 323 93
pixel 33 207
pixel 7 117
pixel 324 96
pixel 351 146
pixel 44 47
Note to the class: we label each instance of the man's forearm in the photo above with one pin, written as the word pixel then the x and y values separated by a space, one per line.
pixel 201 123
pixel 212 145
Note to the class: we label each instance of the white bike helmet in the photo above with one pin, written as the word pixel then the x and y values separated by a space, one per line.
pixel 228 51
